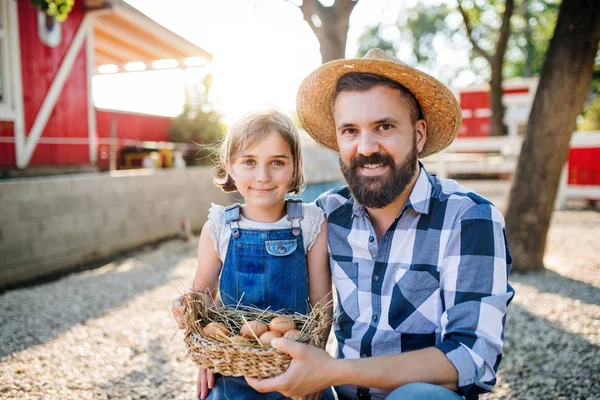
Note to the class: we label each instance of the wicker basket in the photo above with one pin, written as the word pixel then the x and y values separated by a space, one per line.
pixel 253 359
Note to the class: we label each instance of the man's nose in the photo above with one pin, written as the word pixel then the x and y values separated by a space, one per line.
pixel 367 144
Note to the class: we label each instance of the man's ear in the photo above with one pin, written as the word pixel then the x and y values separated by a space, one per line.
pixel 421 132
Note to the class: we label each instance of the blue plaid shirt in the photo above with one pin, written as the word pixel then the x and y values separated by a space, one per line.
pixel 438 277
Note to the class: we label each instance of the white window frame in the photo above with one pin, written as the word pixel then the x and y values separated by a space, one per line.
pixel 6 108
pixel 11 105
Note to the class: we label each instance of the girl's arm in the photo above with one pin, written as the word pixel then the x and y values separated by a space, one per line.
pixel 207 278
pixel 209 264
pixel 319 275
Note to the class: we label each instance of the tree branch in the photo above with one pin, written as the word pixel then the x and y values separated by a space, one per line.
pixel 476 46
pixel 310 8
pixel 502 42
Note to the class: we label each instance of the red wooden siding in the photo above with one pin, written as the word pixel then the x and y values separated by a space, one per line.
pixel 584 166
pixel 7 150
pixel 130 126
pixel 40 64
pixel 473 126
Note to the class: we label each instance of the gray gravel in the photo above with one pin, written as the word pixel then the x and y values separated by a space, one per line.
pixel 107 332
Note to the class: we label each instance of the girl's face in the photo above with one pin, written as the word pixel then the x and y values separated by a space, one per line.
pixel 263 173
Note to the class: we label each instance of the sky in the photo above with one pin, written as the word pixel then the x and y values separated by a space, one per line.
pixel 262 50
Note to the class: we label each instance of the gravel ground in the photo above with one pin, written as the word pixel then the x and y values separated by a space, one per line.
pixel 107 332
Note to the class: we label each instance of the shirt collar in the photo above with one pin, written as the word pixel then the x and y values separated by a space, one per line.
pixel 419 198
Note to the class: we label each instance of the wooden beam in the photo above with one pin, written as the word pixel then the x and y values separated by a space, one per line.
pixel 117 50
pixel 108 27
pixel 160 33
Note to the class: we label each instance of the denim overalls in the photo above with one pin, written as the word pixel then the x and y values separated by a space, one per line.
pixel 263 269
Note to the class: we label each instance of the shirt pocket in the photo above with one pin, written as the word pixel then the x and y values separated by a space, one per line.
pixel 281 248
pixel 414 300
pixel 345 279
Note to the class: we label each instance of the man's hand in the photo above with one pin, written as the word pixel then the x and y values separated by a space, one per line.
pixel 206 381
pixel 310 371
pixel 177 309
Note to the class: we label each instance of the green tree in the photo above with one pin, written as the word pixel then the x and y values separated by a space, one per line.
pixel 198 123
pixel 498 50
pixel 564 85
pixel 591 114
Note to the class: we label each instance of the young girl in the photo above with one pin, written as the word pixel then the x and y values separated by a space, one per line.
pixel 268 252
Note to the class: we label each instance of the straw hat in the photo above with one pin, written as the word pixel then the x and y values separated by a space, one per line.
pixel 440 108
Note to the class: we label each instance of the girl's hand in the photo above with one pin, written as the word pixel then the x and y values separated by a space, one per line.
pixel 177 309
pixel 206 381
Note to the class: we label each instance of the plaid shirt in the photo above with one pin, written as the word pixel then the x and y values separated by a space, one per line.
pixel 438 277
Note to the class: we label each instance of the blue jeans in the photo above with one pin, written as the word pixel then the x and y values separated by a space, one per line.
pixel 422 391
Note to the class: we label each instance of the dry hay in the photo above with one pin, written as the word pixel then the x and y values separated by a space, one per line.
pixel 221 354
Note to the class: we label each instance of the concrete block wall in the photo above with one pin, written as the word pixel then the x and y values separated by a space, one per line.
pixel 53 224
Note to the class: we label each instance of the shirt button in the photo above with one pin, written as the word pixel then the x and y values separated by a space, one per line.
pixel 364 355
pixel 376 278
pixel 375 317
pixel 371 239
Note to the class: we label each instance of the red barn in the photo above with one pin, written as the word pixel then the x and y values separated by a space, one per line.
pixel 475 104
pixel 47 117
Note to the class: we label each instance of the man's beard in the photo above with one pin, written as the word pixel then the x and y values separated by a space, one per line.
pixel 379 191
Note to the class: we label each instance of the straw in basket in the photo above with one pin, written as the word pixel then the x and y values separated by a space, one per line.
pixel 222 354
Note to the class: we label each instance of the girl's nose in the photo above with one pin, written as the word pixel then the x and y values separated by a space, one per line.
pixel 262 174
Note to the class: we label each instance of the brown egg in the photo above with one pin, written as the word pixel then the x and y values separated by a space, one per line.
pixel 266 337
pixel 216 329
pixel 282 324
pixel 292 334
pixel 239 340
pixel 252 328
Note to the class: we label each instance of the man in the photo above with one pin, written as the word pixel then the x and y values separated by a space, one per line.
pixel 419 263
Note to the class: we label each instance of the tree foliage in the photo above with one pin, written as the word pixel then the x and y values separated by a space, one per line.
pixel 564 85
pixel 198 123
pixel 591 114
pixel 418 27
pixel 58 9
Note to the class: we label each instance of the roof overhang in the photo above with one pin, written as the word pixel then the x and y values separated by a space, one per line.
pixel 124 35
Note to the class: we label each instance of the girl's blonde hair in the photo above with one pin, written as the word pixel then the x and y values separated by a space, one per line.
pixel 250 130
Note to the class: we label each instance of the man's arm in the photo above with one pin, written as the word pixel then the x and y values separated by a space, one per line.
pixel 313 369
pixel 475 295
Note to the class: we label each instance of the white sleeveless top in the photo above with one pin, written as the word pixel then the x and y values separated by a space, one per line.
pixel 221 232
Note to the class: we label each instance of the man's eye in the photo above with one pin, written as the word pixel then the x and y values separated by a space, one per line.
pixel 385 127
pixel 349 131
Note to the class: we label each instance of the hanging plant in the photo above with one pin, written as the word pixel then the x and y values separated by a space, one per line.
pixel 58 9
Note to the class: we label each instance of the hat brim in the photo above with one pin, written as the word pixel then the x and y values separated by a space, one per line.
pixel 314 101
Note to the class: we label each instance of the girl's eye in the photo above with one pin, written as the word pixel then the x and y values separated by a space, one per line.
pixel 249 162
pixel 277 162
pixel 349 131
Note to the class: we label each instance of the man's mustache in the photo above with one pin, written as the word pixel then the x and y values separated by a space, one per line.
pixel 375 158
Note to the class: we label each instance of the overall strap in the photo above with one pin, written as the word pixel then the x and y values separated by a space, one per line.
pixel 232 216
pixel 295 213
